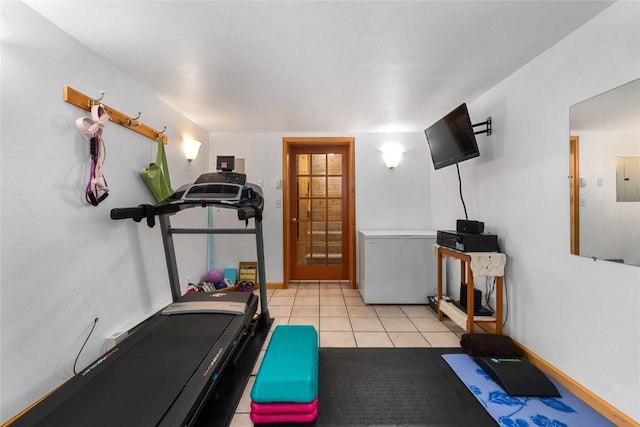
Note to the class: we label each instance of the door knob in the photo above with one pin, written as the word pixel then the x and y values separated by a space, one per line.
pixel 294 219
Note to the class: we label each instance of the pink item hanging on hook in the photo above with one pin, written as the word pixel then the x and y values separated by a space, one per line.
pixel 91 127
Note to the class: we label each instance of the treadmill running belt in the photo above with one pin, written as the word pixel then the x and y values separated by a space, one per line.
pixel 139 385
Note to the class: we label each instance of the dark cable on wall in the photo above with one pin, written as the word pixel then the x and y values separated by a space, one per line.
pixel 506 297
pixel 489 287
pixel 461 198
pixel 95 321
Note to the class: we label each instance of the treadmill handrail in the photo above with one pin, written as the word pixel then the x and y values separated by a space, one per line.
pixel 245 209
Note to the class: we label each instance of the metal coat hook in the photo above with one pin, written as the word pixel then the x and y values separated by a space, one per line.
pixel 92 102
pixel 162 131
pixel 131 120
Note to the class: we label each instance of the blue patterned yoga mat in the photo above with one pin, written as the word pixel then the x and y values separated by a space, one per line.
pixel 511 411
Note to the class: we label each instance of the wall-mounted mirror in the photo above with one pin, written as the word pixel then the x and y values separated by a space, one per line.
pixel 605 175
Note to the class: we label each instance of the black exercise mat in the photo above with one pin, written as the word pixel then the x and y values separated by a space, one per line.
pixel 394 386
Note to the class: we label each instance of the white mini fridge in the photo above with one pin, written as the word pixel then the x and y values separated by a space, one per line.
pixel 396 266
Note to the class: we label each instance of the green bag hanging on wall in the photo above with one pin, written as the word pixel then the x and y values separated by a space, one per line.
pixel 156 176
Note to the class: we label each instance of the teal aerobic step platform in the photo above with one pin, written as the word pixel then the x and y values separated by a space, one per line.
pixel 289 369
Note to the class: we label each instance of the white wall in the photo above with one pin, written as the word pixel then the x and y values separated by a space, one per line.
pixel 608 229
pixel 385 199
pixel 63 262
pixel 580 315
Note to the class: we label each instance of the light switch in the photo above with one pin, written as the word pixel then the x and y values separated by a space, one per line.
pixel 600 182
pixel 583 201
pixel 278 183
pixel 583 182
pixel 260 182
pixel 278 203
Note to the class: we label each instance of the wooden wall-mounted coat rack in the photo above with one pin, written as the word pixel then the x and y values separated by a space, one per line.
pixel 85 102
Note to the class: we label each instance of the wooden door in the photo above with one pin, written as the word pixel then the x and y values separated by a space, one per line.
pixel 574 193
pixel 318 211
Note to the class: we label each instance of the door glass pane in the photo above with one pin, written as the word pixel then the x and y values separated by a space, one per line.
pixel 334 227
pixel 303 186
pixel 319 254
pixel 318 164
pixel 319 233
pixel 334 209
pixel 319 186
pixel 303 166
pixel 303 208
pixel 334 164
pixel 302 253
pixel 334 231
pixel 334 254
pixel 319 209
pixel 319 227
pixel 319 237
pixel 303 232
pixel 334 186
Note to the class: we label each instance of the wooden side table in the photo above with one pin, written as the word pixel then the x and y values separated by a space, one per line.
pixel 467 320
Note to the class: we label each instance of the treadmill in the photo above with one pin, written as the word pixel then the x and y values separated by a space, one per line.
pixel 163 373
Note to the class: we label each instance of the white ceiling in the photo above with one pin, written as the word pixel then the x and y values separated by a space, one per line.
pixel 318 66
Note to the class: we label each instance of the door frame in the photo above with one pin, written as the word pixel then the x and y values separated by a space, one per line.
pixel 287 144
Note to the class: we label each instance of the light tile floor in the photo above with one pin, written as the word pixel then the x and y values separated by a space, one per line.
pixel 342 319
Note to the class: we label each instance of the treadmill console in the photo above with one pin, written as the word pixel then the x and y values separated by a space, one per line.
pixel 221 186
pixel 222 177
pixel 230 192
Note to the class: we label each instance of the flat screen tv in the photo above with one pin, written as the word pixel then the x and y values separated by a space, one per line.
pixel 451 139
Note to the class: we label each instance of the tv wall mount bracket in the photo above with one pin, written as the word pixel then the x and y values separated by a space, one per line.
pixel 487 129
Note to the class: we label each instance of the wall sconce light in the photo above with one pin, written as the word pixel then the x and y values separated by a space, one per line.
pixel 391 155
pixel 191 148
